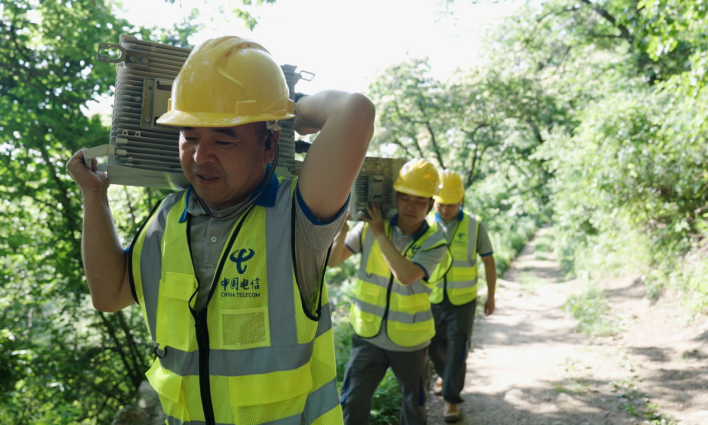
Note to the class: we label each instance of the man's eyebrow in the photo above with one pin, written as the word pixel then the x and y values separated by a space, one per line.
pixel 229 131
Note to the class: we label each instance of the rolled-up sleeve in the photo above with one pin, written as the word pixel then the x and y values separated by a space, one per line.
pixel 484 245
pixel 353 239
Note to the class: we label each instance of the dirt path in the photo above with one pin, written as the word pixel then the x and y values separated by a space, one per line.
pixel 529 367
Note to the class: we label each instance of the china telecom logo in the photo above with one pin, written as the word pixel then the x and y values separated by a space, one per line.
pixel 243 256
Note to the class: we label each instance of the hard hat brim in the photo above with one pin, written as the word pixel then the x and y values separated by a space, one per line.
pixel 409 191
pixel 442 200
pixel 213 119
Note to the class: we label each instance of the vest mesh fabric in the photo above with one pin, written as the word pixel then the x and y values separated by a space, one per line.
pixel 240 322
pixel 460 281
pixel 407 307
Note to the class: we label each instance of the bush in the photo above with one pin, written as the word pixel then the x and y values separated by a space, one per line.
pixel 386 403
pixel 590 309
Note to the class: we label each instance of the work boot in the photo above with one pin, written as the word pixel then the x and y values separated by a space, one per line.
pixel 451 412
pixel 437 386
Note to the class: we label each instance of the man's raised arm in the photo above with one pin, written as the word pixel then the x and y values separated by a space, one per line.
pixel 105 262
pixel 346 125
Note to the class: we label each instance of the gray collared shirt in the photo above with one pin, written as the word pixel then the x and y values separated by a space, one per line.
pixel 312 240
pixel 484 245
pixel 427 260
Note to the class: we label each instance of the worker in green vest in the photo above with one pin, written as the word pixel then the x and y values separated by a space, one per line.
pixel 390 312
pixel 455 297
pixel 229 273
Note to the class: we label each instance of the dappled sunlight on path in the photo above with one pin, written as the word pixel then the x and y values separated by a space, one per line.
pixel 529 366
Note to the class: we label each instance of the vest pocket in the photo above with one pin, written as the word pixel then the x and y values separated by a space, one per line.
pixel 253 399
pixel 460 274
pixel 410 335
pixel 413 303
pixel 463 291
pixel 413 327
pixel 168 386
pixel 365 324
pixel 459 296
pixel 232 324
pixel 368 292
pixel 173 317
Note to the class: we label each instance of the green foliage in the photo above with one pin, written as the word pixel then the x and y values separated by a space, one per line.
pixel 591 310
pixel 509 235
pixel 628 181
pixel 60 360
pixel 386 404
pixel 51 335
pixel 591 115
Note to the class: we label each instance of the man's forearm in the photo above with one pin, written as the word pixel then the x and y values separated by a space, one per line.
pixel 103 256
pixel 336 257
pixel 490 272
pixel 405 271
pixel 345 125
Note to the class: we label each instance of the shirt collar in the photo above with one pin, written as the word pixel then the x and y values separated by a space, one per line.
pixel 267 198
pixel 460 216
pixel 394 222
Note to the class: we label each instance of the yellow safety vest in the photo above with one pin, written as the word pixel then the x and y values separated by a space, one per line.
pixel 253 355
pixel 378 295
pixel 460 281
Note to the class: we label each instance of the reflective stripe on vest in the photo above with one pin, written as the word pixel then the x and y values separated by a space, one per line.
pixel 460 281
pixel 378 295
pixel 262 360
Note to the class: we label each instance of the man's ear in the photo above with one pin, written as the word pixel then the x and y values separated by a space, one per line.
pixel 430 204
pixel 276 136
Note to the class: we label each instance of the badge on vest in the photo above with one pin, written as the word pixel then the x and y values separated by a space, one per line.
pixel 460 239
pixel 243 256
pixel 241 287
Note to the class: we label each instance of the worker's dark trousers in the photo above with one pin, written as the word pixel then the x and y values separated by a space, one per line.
pixel 365 370
pixel 451 344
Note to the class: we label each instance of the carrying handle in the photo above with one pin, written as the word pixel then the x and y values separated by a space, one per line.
pixel 108 46
pixel 101 151
pixel 311 74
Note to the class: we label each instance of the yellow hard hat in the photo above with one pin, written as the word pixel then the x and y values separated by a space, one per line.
pixel 417 177
pixel 450 190
pixel 228 81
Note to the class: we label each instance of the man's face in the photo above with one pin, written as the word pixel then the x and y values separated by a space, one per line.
pixel 447 212
pixel 411 209
pixel 226 164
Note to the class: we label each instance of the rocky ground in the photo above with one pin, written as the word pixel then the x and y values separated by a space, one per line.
pixel 530 366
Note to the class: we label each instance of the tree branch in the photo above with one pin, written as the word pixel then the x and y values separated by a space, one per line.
pixel 470 173
pixel 535 130
pixel 112 334
pixel 435 145
pixel 478 163
pixel 130 341
pixel 611 19
pixel 405 118
pixel 131 210
pixel 427 125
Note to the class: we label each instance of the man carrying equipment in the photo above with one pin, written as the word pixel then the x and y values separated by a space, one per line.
pixel 391 313
pixel 454 298
pixel 229 273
